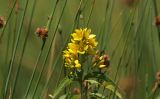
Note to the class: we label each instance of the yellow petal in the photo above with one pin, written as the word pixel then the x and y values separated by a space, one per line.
pixel 81 52
pixel 102 66
pixel 86 47
pixel 77 64
pixel 92 36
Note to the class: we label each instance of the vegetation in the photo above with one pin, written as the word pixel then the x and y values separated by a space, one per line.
pixel 79 49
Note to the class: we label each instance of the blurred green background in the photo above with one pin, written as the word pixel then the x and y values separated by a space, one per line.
pixel 127 32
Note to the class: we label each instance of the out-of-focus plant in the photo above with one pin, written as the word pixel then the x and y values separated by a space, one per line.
pixel 156 88
pixel 87 67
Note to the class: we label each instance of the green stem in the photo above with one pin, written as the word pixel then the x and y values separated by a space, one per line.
pixel 43 44
pixel 108 23
pixel 51 17
pixel 10 14
pixel 58 57
pixel 81 83
pixel 125 46
pixel 15 49
pixel 24 47
pixel 121 36
pixel 124 50
pixel 90 14
pixel 156 15
pixel 45 60
pixel 32 76
pixel 103 24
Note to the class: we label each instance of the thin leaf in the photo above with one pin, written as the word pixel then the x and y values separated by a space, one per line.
pixel 109 84
pixel 65 82
pixel 63 96
pixel 75 97
pixel 113 88
pixel 98 95
pixel 93 82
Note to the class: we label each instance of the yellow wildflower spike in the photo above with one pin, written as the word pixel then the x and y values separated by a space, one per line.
pixel 82 42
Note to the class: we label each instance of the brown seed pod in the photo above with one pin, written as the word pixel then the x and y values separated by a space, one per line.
pixel 106 60
pixel 2 22
pixel 42 32
pixel 158 76
pixel 129 2
pixel 127 84
pixel 157 21
pixel 76 90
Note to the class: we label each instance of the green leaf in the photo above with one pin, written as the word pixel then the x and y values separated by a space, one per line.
pixel 158 97
pixel 98 95
pixel 92 82
pixel 65 82
pixel 75 97
pixel 109 84
pixel 63 96
pixel 98 75
pixel 113 89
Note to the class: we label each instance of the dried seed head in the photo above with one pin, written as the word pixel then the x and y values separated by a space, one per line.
pixel 158 76
pixel 157 21
pixel 42 32
pixel 106 57
pixel 129 2
pixel 76 90
pixel 2 22
pixel 128 84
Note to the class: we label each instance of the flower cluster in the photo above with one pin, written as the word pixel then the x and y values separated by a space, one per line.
pixel 82 42
pixel 101 61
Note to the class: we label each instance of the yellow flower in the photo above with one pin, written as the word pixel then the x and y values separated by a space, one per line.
pixel 81 34
pixel 92 40
pixel 66 54
pixel 85 40
pixel 82 42
pixel 102 66
pixel 87 33
pixel 77 64
pixel 73 48
pixel 68 60
pixel 82 48
pixel 103 61
pixel 78 35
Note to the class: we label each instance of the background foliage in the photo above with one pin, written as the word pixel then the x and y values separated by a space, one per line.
pixel 127 32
